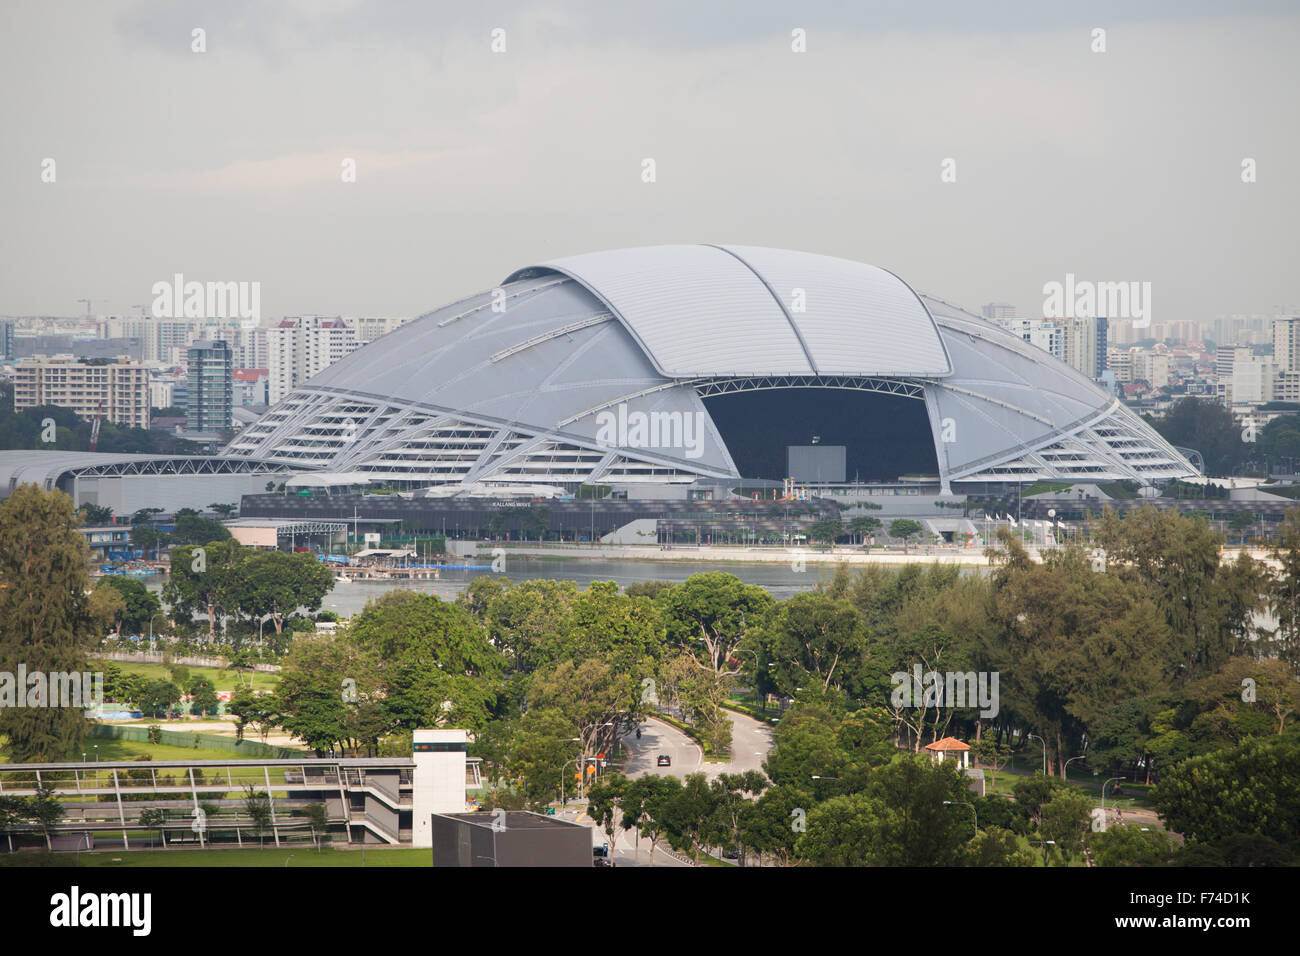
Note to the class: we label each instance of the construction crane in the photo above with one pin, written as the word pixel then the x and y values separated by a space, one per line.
pixel 94 426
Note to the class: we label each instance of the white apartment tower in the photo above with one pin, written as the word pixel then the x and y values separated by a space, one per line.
pixel 303 346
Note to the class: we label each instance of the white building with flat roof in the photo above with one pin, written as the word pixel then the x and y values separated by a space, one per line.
pixel 440 766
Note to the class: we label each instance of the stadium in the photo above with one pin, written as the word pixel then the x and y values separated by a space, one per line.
pixel 660 367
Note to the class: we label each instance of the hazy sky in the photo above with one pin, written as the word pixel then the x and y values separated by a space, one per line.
pixel 226 165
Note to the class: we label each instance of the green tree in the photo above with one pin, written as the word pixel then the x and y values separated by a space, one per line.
pixel 204 694
pixel 201 581
pixel 157 697
pixel 898 819
pixel 543 756
pixel 1284 591
pixel 771 825
pixel 1034 792
pixel 1131 846
pixel 153 818
pixel 825 530
pixel 1249 789
pixel 257 806
pixel 272 585
pixel 192 528
pixel 45 810
pixel 139 604
pixel 49 621
pixel 711 614
pixel 816 638
pixel 647 803
pixel 1065 819
pixel 1207 426
pixel 994 846
pixel 603 805
pixel 687 817
pixel 330 695
pixel 95 515
pixel 147 538
pixel 903 529
pixel 317 820
pixel 732 794
pixel 864 526
pixel 252 709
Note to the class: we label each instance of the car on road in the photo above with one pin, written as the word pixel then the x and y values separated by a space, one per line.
pixel 664 760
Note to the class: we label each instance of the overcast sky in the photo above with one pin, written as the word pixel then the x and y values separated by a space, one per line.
pixel 226 165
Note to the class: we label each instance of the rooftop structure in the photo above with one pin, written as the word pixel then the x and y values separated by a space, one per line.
pixel 673 363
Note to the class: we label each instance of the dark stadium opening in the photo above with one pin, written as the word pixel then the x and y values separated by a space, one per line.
pixel 884 436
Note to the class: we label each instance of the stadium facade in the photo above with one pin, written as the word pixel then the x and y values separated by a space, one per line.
pixel 675 364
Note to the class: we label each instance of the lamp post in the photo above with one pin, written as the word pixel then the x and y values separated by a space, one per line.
pixel 963 803
pixel 1103 795
pixel 1045 844
pixel 1065 769
pixel 572 740
pixel 1044 743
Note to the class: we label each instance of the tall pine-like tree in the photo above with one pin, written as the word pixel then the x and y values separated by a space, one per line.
pixel 49 618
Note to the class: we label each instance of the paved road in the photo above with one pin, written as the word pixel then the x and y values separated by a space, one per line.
pixel 660 738
pixel 626 851
pixel 750 742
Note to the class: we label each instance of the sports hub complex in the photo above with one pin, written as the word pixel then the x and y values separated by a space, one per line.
pixel 662 382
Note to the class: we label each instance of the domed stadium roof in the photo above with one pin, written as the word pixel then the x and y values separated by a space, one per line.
pixel 524 382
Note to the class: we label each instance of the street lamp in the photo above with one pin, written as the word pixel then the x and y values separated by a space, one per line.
pixel 1065 769
pixel 572 740
pixel 1044 743
pixel 963 803
pixel 1103 795
pixel 1045 844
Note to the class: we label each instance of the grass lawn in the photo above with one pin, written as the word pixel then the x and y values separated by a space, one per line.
pixel 302 856
pixel 221 679
pixel 130 750
pixel 1132 796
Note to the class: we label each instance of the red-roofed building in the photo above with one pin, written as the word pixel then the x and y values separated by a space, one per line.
pixel 949 747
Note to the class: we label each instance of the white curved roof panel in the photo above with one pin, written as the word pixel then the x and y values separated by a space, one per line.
pixel 853 318
pixel 696 310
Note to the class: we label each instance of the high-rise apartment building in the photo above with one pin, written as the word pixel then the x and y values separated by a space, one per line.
pixel 1286 344
pixel 119 390
pixel 369 328
pixel 1045 335
pixel 303 346
pixel 999 311
pixel 1079 345
pixel 209 397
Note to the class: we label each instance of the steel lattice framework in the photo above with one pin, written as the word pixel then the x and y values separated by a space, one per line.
pixel 519 384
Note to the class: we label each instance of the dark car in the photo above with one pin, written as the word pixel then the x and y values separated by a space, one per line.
pixel 664 760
